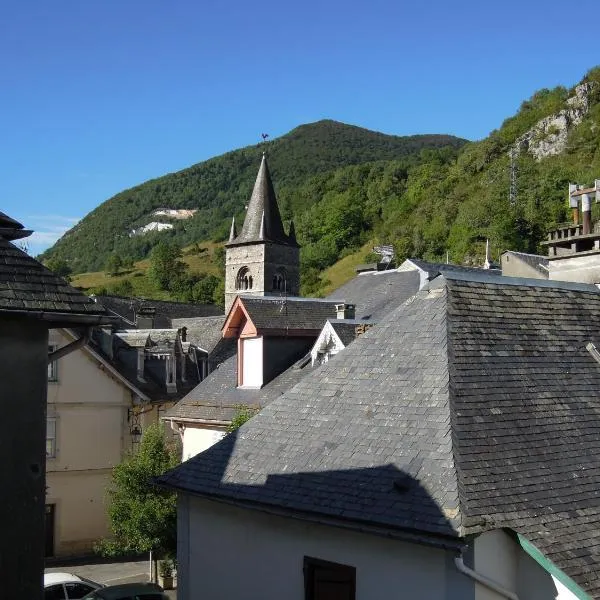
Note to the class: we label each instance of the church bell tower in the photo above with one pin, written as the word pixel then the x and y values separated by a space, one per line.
pixel 262 260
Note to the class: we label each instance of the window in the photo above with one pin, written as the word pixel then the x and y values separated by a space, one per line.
pixel 279 283
pixel 243 281
pixel 78 590
pixel 54 592
pixel 325 580
pixel 51 438
pixel 52 366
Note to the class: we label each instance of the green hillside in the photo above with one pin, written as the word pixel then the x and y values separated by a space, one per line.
pixel 220 187
pixel 348 188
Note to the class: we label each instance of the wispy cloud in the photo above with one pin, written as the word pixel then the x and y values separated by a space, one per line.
pixel 46 230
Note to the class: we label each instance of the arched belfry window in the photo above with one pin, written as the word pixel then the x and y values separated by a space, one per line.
pixel 243 281
pixel 279 280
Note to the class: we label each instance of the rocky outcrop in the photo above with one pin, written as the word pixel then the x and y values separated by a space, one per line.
pixel 549 135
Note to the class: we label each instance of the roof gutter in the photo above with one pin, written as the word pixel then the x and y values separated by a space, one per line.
pixel 59 318
pixel 482 579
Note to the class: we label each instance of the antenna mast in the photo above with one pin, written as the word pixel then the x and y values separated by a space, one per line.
pixel 512 194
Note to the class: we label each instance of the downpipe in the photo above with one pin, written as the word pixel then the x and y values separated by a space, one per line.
pixel 483 580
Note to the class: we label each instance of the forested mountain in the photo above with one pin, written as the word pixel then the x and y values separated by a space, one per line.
pixel 345 187
pixel 220 187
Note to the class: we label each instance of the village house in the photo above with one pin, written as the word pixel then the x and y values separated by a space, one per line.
pixel 32 301
pixel 101 397
pixel 448 452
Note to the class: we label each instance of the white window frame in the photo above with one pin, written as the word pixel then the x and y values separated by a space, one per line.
pixel 51 437
pixel 52 366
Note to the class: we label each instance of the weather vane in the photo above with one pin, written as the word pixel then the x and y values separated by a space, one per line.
pixel 264 136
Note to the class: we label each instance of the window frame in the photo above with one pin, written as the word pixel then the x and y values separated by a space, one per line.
pixel 53 439
pixel 52 365
pixel 311 565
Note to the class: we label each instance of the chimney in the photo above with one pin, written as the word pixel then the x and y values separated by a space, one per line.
pixel 488 256
pixel 345 311
pixel 144 319
pixel 586 209
pixel 183 334
pixel 140 365
pixel 574 203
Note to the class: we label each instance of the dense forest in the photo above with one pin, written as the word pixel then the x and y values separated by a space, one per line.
pixel 221 187
pixel 344 186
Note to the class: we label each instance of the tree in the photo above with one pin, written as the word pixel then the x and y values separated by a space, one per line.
pixel 243 414
pixel 165 266
pixel 59 266
pixel 142 517
pixel 113 264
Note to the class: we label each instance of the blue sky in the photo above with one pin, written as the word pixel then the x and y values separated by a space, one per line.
pixel 98 96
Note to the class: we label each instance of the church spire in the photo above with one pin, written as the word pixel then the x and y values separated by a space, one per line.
pixel 233 231
pixel 292 233
pixel 263 207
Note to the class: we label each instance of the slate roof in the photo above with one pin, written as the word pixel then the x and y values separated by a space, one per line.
pixel 434 269
pixel 535 261
pixel 203 332
pixel 27 288
pixel 472 406
pixel 263 203
pixel 126 309
pixel 376 293
pixel 277 312
pixel 217 398
pixel 346 329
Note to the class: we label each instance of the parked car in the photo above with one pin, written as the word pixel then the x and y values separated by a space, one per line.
pixel 128 591
pixel 66 586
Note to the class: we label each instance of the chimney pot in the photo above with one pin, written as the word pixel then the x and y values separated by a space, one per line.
pixel 345 311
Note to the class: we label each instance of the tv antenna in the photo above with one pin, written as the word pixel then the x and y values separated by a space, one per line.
pixel 512 193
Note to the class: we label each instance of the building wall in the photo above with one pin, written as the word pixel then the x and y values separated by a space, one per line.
pixel 92 435
pixel 498 557
pixel 23 381
pixel 251 256
pixel 262 259
pixel 583 269
pixel 228 552
pixel 196 439
pixel 513 266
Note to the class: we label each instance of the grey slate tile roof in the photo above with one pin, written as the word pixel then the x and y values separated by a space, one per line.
pixel 263 203
pixel 537 262
pixel 26 286
pixel 434 269
pixel 217 398
pixel 203 332
pixel 277 312
pixel 377 293
pixel 126 309
pixel 478 393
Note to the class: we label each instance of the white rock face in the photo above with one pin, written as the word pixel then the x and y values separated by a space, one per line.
pixel 549 135
pixel 175 213
pixel 154 226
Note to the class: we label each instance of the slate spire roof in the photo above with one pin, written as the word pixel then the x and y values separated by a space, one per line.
pixel 263 213
pixel 478 392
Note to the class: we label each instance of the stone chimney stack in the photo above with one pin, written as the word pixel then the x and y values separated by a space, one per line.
pixel 144 318
pixel 345 311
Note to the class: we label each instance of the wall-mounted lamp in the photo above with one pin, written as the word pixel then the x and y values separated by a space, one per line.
pixel 135 429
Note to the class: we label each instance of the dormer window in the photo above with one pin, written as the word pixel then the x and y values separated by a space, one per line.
pixel 243 280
